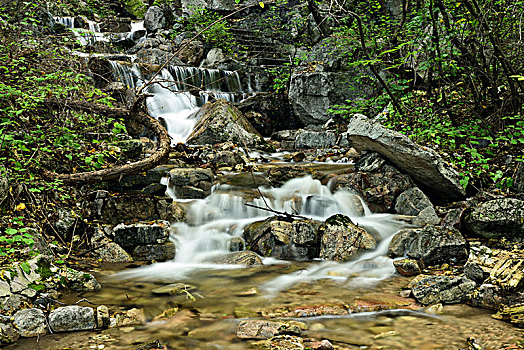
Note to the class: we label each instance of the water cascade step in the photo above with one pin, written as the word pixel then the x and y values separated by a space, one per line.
pixel 179 91
pixel 213 222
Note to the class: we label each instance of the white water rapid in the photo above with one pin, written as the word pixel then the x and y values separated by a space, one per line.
pixel 213 221
pixel 171 100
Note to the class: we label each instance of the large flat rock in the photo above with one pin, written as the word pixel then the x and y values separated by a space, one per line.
pixel 436 177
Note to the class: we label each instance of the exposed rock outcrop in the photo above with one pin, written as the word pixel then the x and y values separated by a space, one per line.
pixel 424 165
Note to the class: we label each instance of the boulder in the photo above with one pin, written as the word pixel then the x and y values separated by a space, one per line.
pixel 412 202
pixel 30 322
pixel 431 244
pixel 312 94
pixel 214 56
pixel 513 314
pixel 157 252
pixel 315 139
pixel 293 240
pixel 427 216
pixel 219 121
pixel 72 318
pixel 442 289
pixel 191 52
pixel 431 173
pixel 102 317
pixel 508 273
pixel 139 234
pixel 378 189
pixel 191 183
pixel 154 19
pixel 341 239
pixel 497 218
pixel 108 251
pixel 128 318
pixel 116 25
pixel 481 261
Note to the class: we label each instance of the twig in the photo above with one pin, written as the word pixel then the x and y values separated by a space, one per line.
pixel 279 213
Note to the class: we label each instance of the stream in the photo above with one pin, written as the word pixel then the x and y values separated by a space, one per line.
pixel 217 297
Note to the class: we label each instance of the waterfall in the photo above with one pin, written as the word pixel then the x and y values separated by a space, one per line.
pixel 84 36
pixel 213 221
pixel 171 100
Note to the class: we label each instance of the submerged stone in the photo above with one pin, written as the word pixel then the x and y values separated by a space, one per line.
pixel 442 289
pixel 262 329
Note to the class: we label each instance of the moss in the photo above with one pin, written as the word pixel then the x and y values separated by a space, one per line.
pixel 339 220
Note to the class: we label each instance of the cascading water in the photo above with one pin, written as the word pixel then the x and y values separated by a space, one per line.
pixel 171 100
pixel 212 223
pixel 85 36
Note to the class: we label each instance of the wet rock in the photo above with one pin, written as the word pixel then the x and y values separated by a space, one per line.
pixel 321 345
pixel 156 252
pixel 66 222
pixel 191 183
pixel 341 239
pixel 173 289
pixel 407 267
pixel 128 318
pixel 513 314
pixel 371 162
pixel 508 273
pixel 102 317
pixel 442 289
pixel 139 234
pixel 491 296
pixel 245 258
pixel 30 322
pixel 79 281
pixel 279 175
pixel 191 52
pixel 137 182
pixel 72 318
pixel 382 301
pixel 307 311
pixel 297 239
pixel 262 329
pixel 315 139
pixel 519 179
pixel 498 218
pixel 8 333
pixel 481 261
pixel 412 202
pixel 154 19
pixel 286 342
pixel 236 244
pixel 312 94
pixel 432 244
pixel 379 190
pixel 170 210
pixel 453 218
pixel 437 178
pixel 219 121
pixel 166 314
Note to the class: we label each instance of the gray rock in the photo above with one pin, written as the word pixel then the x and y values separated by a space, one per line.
pixel 427 216
pixel 138 234
pixel 4 186
pixel 312 94
pixel 508 273
pixel 371 162
pixel 30 322
pixel 138 182
pixel 442 289
pixel 437 178
pixel 5 289
pixel 519 179
pixel 498 218
pixel 315 139
pixel 116 25
pixel 412 202
pixel 79 281
pixel 102 317
pixel 236 244
pixel 108 250
pixel 72 318
pixel 493 297
pixel 154 19
pixel 432 244
pixel 341 239
pixel 378 189
pixel 245 258
pixel 190 6
pixel 65 223
pixel 8 333
pixel 158 252
pixel 214 56
pixel 218 122
pixel 191 52
pixel 191 183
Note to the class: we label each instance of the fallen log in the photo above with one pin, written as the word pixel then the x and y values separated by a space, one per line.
pixel 117 172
